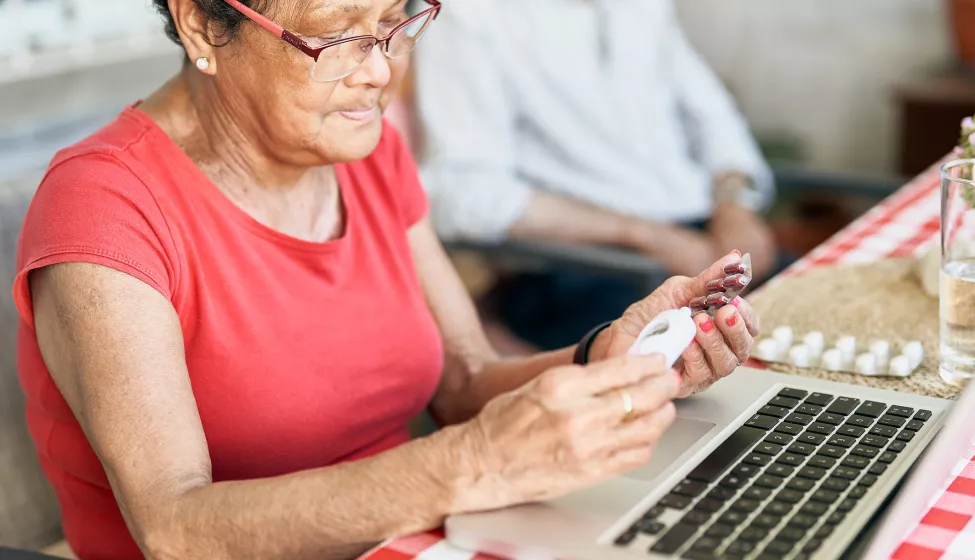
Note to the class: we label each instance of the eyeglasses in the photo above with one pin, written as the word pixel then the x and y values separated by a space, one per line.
pixel 338 59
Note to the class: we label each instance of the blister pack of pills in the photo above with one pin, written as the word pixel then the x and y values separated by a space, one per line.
pixel 845 354
pixel 721 291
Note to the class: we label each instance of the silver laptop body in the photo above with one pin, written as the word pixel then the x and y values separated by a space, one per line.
pixel 588 524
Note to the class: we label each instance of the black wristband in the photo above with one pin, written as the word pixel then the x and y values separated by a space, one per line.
pixel 581 356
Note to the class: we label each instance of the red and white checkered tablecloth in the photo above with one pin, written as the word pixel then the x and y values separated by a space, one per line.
pixel 901 225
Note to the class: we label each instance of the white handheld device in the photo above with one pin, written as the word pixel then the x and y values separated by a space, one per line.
pixel 669 334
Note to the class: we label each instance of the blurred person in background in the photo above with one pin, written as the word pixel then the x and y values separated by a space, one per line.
pixel 233 303
pixel 591 122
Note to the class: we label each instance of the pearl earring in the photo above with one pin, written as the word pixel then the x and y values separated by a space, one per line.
pixel 202 63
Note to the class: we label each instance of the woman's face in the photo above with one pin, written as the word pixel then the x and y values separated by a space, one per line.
pixel 265 84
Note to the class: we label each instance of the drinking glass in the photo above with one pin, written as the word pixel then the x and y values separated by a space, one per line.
pixel 958 272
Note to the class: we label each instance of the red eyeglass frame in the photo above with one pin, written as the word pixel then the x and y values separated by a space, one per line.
pixel 314 52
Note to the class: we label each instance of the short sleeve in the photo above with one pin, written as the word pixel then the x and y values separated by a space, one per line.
pixel 92 208
pixel 413 203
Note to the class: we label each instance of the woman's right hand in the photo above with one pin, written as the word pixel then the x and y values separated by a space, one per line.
pixel 567 430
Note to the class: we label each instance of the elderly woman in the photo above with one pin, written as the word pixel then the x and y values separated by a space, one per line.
pixel 233 304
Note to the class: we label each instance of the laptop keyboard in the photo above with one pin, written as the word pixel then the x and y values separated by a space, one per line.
pixel 781 483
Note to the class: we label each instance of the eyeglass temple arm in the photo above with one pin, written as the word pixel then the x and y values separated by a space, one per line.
pixel 272 27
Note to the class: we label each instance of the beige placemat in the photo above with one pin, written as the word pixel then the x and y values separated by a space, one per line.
pixel 879 300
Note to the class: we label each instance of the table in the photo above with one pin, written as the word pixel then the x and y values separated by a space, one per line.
pixel 903 224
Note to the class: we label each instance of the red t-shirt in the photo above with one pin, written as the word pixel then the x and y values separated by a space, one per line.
pixel 300 354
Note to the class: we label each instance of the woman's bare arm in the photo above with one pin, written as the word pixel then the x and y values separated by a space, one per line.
pixel 114 348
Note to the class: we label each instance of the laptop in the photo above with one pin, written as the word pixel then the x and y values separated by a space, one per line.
pixel 762 465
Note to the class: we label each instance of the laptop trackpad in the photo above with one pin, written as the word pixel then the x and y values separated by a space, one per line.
pixel 681 436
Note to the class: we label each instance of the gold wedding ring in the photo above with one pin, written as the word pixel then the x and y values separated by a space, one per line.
pixel 627 404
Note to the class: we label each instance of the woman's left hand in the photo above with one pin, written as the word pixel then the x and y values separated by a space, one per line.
pixel 721 344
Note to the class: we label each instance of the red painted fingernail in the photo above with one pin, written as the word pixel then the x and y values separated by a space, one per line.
pixel 733 320
pixel 736 302
pixel 707 325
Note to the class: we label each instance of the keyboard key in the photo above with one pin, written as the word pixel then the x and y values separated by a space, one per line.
pixel 767 448
pixel 873 409
pixel 812 473
pixel 674 539
pixel 819 399
pixel 846 505
pixel 722 493
pixel 789 495
pixel 655 512
pixel 726 454
pixel 843 405
pixel 852 431
pixel 861 421
pixel 696 518
pixel 878 469
pixel 867 480
pixel 733 481
pixel 791 429
pixel 876 441
pixel 753 534
pixel 905 436
pixel 842 441
pixel 733 518
pixel 887 457
pixel 778 439
pixel 709 506
pixel 824 531
pixel 766 521
pixel 902 411
pixel 757 493
pixel 801 484
pixel 719 531
pixel 796 418
pixel 835 484
pixel 890 420
pixel 778 469
pixel 914 425
pixel 855 462
pixel 746 471
pixel 769 481
pixel 762 422
pixel 832 451
pixel 803 521
pixel 809 409
pixel 745 505
pixel 829 418
pixel 790 534
pixel 793 393
pixel 740 548
pixel 675 501
pixel 756 459
pixel 857 492
pixel 846 472
pixel 836 518
pixel 923 415
pixel 784 402
pixel 865 451
pixel 818 428
pixel 821 462
pixel 776 411
pixel 651 527
pixel 626 538
pixel 778 508
pixel 790 459
pixel 815 509
pixel 802 448
pixel 897 446
pixel 812 438
pixel 825 496
pixel 699 554
pixel 690 488
pixel 779 548
pixel 883 431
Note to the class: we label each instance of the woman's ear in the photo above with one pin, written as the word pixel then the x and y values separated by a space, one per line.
pixel 193 28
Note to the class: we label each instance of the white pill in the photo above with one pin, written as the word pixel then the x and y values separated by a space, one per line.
pixel 832 360
pixel 880 349
pixel 847 345
pixel 915 352
pixel 800 356
pixel 767 350
pixel 815 341
pixel 900 366
pixel 783 335
pixel 866 364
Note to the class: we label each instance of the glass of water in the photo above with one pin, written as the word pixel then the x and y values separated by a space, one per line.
pixel 958 271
